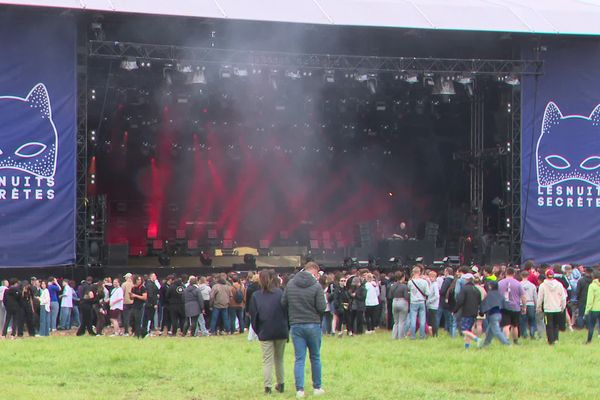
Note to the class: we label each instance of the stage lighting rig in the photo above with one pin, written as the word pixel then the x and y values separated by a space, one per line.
pixel 329 76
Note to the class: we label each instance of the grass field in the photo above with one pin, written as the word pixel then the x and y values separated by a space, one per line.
pixel 366 367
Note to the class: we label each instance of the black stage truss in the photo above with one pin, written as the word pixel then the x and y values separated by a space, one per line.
pixel 116 50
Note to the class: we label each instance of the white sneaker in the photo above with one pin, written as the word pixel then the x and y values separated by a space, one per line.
pixel 300 394
pixel 318 392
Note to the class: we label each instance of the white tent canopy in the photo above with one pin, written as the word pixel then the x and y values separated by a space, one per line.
pixel 579 17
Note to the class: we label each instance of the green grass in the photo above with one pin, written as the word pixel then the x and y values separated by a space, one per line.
pixel 366 367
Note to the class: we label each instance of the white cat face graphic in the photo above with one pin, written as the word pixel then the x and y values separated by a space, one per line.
pixel 28 136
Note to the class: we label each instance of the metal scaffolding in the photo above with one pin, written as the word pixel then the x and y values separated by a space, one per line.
pixel 514 206
pixel 82 161
pixel 476 164
pixel 265 59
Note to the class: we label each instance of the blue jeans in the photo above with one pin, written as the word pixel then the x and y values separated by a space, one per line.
pixel 417 309
pixel 65 318
pixel 216 314
pixel 528 320
pixel 44 322
pixel 236 312
pixel 54 306
pixel 493 329
pixel 307 336
pixel 202 325
pixel 75 319
pixel 449 322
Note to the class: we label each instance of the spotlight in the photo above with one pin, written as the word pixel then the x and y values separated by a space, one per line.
pixel 225 72
pixel 167 75
pixel 464 79
pixel 428 79
pixel 241 72
pixel 129 64
pixel 329 76
pixel 197 77
pixel 411 77
pixel 512 80
pixel 372 83
pixel 184 68
pixel 443 86
pixel 292 74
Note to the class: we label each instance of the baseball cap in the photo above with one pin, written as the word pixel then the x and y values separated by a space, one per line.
pixel 468 277
pixel 475 269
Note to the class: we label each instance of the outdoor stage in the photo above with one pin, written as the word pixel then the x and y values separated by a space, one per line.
pixel 192 135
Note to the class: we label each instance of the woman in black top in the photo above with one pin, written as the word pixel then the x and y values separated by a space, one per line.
pixel 139 296
pixel 341 303
pixel 28 309
pixel 86 308
pixel 270 322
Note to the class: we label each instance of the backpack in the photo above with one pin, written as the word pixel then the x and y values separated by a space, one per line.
pixel 238 296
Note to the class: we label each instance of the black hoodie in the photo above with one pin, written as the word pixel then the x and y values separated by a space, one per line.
pixel 304 299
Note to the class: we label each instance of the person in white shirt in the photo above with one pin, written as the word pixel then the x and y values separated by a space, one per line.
pixel 45 315
pixel 66 306
pixel 116 306
pixel 371 303
pixel 433 303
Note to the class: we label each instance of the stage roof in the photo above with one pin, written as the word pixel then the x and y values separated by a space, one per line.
pixel 579 17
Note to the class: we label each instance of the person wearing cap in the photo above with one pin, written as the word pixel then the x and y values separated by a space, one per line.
pixel 552 300
pixel 467 303
pixel 592 305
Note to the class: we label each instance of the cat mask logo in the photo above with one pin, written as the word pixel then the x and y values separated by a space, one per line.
pixel 568 148
pixel 28 136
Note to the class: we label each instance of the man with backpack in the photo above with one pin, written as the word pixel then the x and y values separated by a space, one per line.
pixel 419 292
pixel 236 304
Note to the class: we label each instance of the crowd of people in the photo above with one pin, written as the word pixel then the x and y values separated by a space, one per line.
pixel 477 303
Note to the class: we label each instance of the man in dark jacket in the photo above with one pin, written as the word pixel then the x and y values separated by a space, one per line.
pixel 194 303
pixel 176 306
pixel 13 303
pixel 467 303
pixel 304 301
pixel 582 289
pixel 152 303
pixel 447 301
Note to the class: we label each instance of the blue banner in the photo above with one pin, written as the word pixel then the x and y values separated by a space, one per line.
pixel 37 140
pixel 561 157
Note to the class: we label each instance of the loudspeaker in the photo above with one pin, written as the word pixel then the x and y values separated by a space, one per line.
pixel 118 254
pixel 499 254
